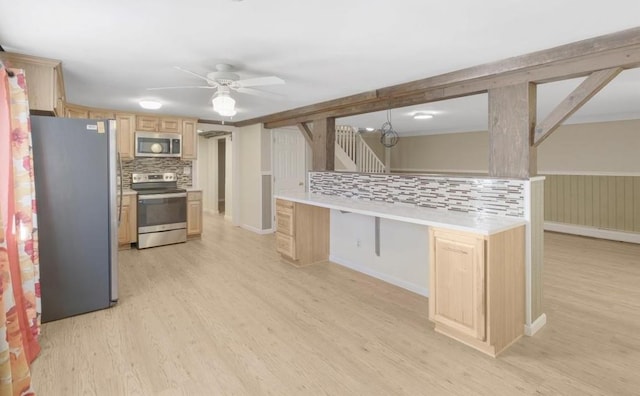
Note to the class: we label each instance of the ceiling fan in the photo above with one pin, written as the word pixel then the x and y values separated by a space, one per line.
pixel 224 80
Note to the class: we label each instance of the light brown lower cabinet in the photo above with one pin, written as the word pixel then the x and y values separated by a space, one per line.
pixel 194 214
pixel 128 227
pixel 302 234
pixel 477 287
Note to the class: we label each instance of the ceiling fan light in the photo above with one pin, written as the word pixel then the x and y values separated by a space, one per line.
pixel 224 104
pixel 150 104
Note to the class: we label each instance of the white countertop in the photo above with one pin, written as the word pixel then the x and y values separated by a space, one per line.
pixel 480 224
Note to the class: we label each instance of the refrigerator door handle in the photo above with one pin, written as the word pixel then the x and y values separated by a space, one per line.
pixel 121 190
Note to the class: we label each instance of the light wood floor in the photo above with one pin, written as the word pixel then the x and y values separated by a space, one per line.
pixel 224 316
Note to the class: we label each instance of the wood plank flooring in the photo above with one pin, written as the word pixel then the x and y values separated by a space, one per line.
pixel 225 316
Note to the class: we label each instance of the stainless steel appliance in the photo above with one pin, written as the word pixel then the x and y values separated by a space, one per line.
pixel 75 180
pixel 162 209
pixel 151 144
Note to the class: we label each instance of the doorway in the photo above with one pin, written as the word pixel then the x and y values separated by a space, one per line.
pixel 222 165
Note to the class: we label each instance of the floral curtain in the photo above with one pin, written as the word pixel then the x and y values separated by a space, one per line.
pixel 19 264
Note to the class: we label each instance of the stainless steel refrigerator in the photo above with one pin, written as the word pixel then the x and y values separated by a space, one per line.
pixel 75 169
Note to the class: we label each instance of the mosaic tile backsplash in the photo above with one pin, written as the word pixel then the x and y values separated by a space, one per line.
pixel 460 194
pixel 151 165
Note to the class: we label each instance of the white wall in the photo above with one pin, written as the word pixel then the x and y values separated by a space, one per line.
pixel 404 250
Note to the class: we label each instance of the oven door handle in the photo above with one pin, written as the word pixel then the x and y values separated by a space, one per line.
pixel 161 196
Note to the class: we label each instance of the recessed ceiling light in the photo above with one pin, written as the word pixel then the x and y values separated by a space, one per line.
pixel 150 104
pixel 422 116
pixel 370 129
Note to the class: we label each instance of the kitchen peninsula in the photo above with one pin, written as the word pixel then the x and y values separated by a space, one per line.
pixel 473 252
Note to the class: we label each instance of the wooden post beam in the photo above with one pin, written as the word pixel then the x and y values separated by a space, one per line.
pixel 512 112
pixel 324 143
pixel 581 95
pixel 306 132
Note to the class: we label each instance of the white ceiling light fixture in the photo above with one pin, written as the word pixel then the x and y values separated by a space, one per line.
pixel 150 104
pixel 422 116
pixel 223 103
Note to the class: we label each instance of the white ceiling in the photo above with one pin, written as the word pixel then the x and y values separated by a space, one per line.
pixel 112 51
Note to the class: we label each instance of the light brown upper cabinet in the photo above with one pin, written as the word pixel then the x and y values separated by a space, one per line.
pixel 101 115
pixel 189 139
pixel 147 123
pixel 158 124
pixel 170 125
pixel 45 85
pixel 125 131
pixel 71 111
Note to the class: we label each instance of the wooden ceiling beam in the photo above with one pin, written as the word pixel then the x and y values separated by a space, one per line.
pixel 306 132
pixel 578 97
pixel 621 49
pixel 624 58
pixel 568 52
pixel 216 122
pixel 312 109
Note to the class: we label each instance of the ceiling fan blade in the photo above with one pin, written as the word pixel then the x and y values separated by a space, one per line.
pixel 257 92
pixel 254 82
pixel 196 75
pixel 182 87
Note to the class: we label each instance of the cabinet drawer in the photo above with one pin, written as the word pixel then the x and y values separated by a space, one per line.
pixel 194 196
pixel 286 245
pixel 285 222
pixel 283 205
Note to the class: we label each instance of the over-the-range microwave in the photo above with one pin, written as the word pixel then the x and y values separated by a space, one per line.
pixel 152 144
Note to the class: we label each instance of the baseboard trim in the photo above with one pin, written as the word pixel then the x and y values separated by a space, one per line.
pixel 537 324
pixel 256 230
pixel 423 291
pixel 592 232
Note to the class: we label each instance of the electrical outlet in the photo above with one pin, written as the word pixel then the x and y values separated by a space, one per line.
pixel 187 170
pixel 358 243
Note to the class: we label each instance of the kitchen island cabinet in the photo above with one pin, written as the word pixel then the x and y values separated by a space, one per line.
pixel 302 235
pixel 475 262
pixel 477 287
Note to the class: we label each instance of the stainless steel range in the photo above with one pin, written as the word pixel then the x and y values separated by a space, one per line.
pixel 162 209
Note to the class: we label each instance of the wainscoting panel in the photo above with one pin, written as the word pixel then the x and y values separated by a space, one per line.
pixel 607 202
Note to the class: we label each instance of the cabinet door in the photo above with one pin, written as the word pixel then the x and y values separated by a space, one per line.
pixel 73 112
pixel 194 213
pixel 125 129
pixel 101 115
pixel 170 125
pixel 40 79
pixel 124 230
pixel 458 282
pixel 147 123
pixel 189 140
pixel 194 218
pixel 133 218
pixel 286 245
